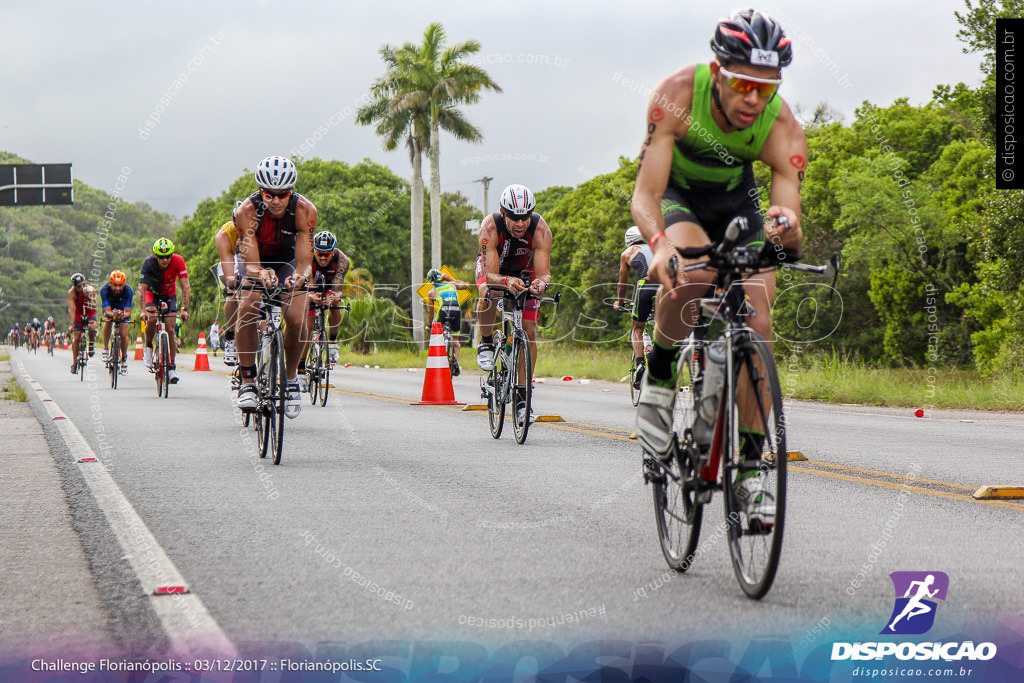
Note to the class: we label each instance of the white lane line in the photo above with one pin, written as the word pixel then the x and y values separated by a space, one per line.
pixel 189 626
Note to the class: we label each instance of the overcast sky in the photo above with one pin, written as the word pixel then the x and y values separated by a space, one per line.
pixel 224 84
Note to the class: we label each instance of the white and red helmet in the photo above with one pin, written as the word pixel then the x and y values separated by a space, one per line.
pixel 517 200
pixel 276 173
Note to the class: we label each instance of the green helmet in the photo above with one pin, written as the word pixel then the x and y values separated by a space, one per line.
pixel 434 276
pixel 163 247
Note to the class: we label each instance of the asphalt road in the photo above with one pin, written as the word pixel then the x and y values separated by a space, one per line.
pixel 387 521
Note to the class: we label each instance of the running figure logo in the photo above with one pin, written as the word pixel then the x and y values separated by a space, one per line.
pixel 916 595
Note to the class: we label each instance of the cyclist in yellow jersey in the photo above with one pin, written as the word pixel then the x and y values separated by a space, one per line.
pixel 226 242
pixel 706 125
pixel 443 301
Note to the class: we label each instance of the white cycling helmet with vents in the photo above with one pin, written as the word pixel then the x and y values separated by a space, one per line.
pixel 517 200
pixel 276 173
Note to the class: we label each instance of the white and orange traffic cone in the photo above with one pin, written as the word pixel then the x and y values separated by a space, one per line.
pixel 138 348
pixel 202 360
pixel 437 384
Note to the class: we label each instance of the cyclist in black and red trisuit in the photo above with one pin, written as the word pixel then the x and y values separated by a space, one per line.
pixel 276 227
pixel 513 240
pixel 331 265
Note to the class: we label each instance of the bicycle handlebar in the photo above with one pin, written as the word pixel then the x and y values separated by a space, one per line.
pixel 520 298
pixel 729 259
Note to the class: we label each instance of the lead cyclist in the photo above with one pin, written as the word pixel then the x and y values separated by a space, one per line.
pixel 706 125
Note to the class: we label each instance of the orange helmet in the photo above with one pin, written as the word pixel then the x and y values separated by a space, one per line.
pixel 118 278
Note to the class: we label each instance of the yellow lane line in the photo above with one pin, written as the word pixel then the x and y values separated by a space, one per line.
pixel 597 430
pixel 903 487
pixel 863 470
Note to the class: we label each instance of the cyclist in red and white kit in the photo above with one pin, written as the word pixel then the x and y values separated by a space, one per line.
pixel 514 241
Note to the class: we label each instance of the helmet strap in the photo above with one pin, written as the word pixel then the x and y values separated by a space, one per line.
pixel 718 104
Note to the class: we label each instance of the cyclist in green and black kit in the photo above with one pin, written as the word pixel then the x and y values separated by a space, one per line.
pixel 706 125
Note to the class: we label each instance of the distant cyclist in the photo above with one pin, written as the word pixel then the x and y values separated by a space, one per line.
pixel 50 331
pixel 637 256
pixel 276 225
pixel 230 262
pixel 117 298
pixel 35 333
pixel 443 301
pixel 161 273
pixel 332 265
pixel 706 125
pixel 81 307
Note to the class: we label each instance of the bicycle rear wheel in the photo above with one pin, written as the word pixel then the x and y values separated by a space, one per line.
pixel 325 373
pixel 497 389
pixel 522 387
pixel 757 455
pixel 634 384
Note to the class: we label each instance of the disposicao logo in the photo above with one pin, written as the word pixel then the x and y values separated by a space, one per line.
pixel 916 596
pixel 916 601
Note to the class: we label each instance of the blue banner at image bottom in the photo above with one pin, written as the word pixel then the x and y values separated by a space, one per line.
pixel 775 659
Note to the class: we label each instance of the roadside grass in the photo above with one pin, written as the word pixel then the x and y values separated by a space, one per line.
pixel 813 377
pixel 12 389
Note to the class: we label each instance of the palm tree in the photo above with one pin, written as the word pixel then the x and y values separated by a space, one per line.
pixel 447 81
pixel 400 114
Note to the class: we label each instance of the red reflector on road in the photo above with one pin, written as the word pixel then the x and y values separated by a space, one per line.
pixel 170 590
pixel 60 417
pixel 87 460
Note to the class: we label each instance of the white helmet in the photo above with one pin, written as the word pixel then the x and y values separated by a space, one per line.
pixel 276 173
pixel 633 236
pixel 517 200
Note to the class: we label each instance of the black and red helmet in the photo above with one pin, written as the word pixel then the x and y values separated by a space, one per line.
pixel 750 37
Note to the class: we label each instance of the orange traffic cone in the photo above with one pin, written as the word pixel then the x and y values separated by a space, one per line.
pixel 202 360
pixel 437 384
pixel 138 347
pixel 65 343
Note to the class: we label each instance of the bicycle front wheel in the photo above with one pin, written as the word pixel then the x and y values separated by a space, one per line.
pixel 754 466
pixel 325 373
pixel 679 492
pixel 497 390
pixel 278 396
pixel 165 362
pixel 83 356
pixel 114 361
pixel 313 371
pixel 522 387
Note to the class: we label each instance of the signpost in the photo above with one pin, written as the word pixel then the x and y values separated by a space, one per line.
pixel 35 185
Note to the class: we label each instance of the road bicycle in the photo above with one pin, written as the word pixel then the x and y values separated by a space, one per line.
pixel 449 346
pixel 637 365
pixel 510 380
pixel 271 372
pixel 728 422
pixel 116 355
pixel 49 343
pixel 318 361
pixel 162 355
pixel 83 347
